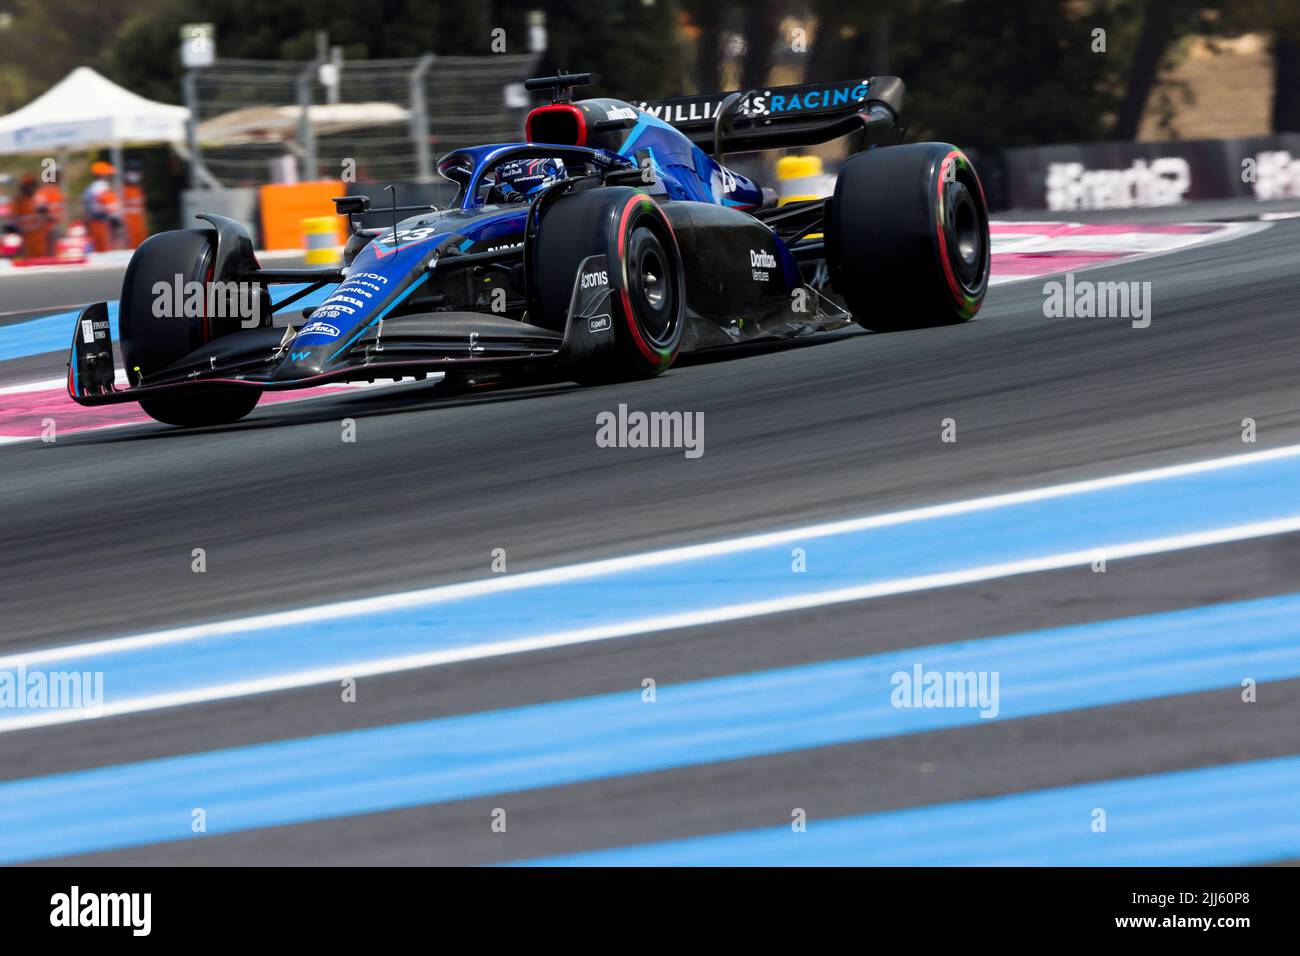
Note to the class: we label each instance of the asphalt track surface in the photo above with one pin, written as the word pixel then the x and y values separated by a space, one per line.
pixel 49 290
pixel 97 532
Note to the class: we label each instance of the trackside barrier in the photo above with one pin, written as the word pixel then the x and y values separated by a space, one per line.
pixel 799 178
pixel 321 241
pixel 1067 177
pixel 70 249
pixel 239 204
pixel 284 206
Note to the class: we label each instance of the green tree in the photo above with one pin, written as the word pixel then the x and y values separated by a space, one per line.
pixel 708 17
pixel 1281 20
pixel 1164 22
pixel 41 42
pixel 982 73
pixel 634 46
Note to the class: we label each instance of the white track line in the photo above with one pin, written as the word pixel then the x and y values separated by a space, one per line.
pixel 650 625
pixel 608 566
pixel 45 385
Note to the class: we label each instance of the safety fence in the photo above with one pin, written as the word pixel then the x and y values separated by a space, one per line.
pixel 359 126
pixel 264 121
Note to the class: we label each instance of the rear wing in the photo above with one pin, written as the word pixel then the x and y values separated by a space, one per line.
pixel 786 116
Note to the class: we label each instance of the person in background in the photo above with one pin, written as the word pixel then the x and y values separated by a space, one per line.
pixel 103 208
pixel 133 205
pixel 32 219
pixel 11 240
pixel 49 202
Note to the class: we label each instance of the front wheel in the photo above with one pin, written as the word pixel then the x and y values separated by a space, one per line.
pixel 152 338
pixel 644 274
pixel 908 237
pixel 216 406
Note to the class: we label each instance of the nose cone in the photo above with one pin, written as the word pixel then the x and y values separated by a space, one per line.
pixel 313 347
pixel 301 362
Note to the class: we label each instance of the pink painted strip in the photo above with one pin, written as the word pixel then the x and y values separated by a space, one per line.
pixel 1046 263
pixel 1065 229
pixel 22 413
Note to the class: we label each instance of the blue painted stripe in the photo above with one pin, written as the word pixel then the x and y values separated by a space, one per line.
pixel 1243 813
pixel 1263 490
pixel 49 333
pixel 614 734
pixel 52 333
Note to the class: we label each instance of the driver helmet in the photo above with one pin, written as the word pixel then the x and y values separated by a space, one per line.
pixel 519 180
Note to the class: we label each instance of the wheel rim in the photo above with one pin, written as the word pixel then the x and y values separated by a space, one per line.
pixel 965 242
pixel 651 286
pixel 652 281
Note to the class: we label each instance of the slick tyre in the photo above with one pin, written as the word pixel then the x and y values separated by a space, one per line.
pixel 151 342
pixel 908 237
pixel 220 406
pixel 645 272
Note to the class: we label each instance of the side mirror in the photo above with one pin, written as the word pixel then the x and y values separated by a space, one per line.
pixel 351 205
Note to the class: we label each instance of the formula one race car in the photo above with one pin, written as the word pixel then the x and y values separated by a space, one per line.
pixel 604 245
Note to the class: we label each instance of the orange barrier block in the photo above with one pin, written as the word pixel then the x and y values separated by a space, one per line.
pixel 286 205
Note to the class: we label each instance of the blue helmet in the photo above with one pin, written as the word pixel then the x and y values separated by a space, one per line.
pixel 519 180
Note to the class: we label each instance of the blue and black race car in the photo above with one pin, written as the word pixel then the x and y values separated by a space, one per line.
pixel 609 241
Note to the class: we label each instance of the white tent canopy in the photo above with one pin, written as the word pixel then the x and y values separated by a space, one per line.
pixel 263 124
pixel 87 111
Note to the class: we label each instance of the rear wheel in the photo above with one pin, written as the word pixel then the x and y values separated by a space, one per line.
pixel 152 342
pixel 908 237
